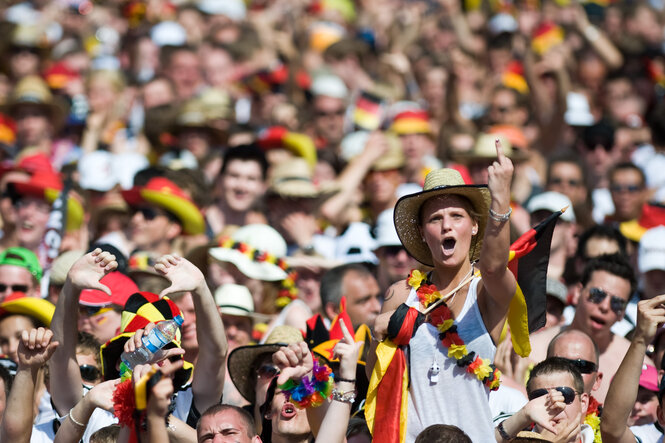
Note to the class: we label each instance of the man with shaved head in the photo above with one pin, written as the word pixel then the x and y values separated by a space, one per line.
pixel 577 347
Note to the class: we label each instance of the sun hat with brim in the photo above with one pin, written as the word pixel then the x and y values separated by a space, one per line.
pixel 193 116
pixel 292 178
pixel 36 308
pixel 142 308
pixel 256 250
pixel 121 286
pixel 33 91
pixel 162 192
pixel 242 359
pixel 439 182
pixel 24 258
pixel 47 186
pixel 236 300
pixel 61 266
pixel 485 149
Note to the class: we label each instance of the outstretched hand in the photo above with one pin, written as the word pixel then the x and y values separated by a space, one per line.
pixel 346 350
pixel 35 348
pixel 86 272
pixel 182 274
pixel 294 362
pixel 500 177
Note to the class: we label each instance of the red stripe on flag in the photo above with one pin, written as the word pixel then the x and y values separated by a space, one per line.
pixel 389 401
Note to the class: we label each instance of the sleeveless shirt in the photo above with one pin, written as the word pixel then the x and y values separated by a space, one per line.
pixel 457 398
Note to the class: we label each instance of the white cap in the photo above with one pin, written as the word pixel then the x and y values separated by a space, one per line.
pixel 356 244
pixel 101 170
pixel 233 9
pixel 234 299
pixel 501 23
pixel 169 33
pixel 329 85
pixel 651 255
pixel 386 234
pixel 553 202
pixel 578 111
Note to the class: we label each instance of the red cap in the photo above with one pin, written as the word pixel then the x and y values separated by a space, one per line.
pixel 121 286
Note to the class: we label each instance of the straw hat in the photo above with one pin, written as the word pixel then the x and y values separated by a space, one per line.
pixel 439 182
pixel 34 91
pixel 292 178
pixel 242 359
pixel 194 116
pixel 485 149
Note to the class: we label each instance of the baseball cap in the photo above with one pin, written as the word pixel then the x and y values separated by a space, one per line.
pixel 651 254
pixel 386 234
pixel 553 202
pixel 649 378
pixel 121 286
pixel 24 258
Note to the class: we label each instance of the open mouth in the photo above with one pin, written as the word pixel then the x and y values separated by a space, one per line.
pixel 597 322
pixel 27 226
pixel 449 245
pixel 288 411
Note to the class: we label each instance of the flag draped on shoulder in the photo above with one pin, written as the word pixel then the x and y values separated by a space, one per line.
pixel 528 261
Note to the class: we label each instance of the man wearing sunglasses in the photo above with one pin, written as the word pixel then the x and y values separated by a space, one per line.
pixel 20 271
pixel 606 286
pixel 625 385
pixel 557 405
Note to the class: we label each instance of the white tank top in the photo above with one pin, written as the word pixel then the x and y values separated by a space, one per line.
pixel 457 398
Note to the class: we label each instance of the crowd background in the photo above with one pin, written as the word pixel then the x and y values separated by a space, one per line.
pixel 267 141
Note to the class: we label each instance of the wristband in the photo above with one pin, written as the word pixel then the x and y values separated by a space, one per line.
pixel 503 433
pixel 76 422
pixel 500 217
pixel 344 397
pixel 345 380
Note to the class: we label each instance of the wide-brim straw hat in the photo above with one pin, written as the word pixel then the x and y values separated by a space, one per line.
pixel 292 178
pixel 439 182
pixel 485 149
pixel 242 358
pixel 33 91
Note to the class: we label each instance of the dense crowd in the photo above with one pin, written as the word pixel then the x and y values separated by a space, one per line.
pixel 324 193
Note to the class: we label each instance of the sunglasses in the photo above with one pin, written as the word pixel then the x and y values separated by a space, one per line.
pixel 568 393
pixel 584 366
pixel 338 113
pixel 267 371
pixel 393 250
pixel 597 295
pixel 14 288
pixel 90 373
pixel 570 182
pixel 149 213
pixel 626 188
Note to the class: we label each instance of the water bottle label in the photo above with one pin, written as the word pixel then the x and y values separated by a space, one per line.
pixel 154 341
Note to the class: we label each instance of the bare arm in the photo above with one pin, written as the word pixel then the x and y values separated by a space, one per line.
pixel 34 350
pixel 498 284
pixel 623 389
pixel 208 382
pixel 597 39
pixel 85 273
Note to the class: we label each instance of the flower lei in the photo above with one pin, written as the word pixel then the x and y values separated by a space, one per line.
pixel 312 391
pixel 593 418
pixel 442 319
pixel 288 291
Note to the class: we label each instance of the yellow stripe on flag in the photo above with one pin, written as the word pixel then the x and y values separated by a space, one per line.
pixel 518 320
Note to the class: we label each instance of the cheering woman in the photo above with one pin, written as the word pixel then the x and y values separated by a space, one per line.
pixel 450 318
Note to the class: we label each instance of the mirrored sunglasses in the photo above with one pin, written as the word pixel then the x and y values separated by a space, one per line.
pixel 597 295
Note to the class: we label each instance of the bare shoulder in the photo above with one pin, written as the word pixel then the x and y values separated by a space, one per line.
pixel 540 340
pixel 396 294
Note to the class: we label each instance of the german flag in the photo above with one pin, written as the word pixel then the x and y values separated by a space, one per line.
pixel 528 260
pixel 368 112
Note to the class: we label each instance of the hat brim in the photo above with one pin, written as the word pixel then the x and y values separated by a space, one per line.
pixel 75 210
pixel 257 270
pixel 237 312
pixel 218 136
pixel 189 215
pixel 299 189
pixel 407 213
pixel 37 308
pixel 57 110
pixel 240 364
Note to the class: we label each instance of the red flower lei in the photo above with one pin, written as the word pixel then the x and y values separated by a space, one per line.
pixel 442 319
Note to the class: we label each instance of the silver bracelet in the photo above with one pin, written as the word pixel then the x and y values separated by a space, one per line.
pixel 501 217
pixel 71 417
pixel 344 397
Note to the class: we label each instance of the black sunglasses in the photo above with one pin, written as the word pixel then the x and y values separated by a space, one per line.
pixel 568 393
pixel 267 371
pixel 90 373
pixel 150 213
pixel 631 189
pixel 597 295
pixel 584 366
pixel 14 288
pixel 570 182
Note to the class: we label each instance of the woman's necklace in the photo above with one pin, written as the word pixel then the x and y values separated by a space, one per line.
pixel 442 318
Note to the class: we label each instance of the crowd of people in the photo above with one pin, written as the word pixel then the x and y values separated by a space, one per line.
pixel 324 194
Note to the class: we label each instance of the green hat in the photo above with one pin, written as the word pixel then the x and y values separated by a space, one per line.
pixel 24 258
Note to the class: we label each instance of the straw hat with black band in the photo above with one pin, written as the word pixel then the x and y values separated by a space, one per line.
pixel 439 182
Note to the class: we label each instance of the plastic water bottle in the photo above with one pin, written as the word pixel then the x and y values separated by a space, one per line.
pixel 164 332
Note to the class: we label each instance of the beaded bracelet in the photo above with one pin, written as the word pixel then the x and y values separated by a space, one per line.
pixel 310 391
pixel 501 217
pixel 75 421
pixel 344 397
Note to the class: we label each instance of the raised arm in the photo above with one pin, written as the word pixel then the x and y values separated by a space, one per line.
pixel 623 389
pixel 498 284
pixel 84 274
pixel 34 350
pixel 208 382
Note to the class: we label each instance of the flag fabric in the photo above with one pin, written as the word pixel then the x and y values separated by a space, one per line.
pixel 55 227
pixel 528 261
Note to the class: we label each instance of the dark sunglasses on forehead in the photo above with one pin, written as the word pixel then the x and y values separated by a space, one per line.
pixel 14 288
pixel 90 373
pixel 597 295
pixel 567 392
pixel 584 366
